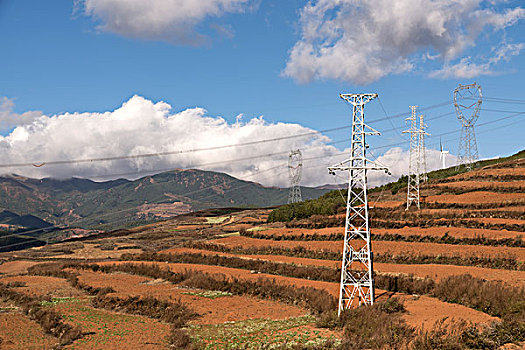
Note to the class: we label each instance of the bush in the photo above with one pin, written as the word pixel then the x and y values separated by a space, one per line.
pixel 179 338
pixel 493 298
pixel 328 204
pixel 375 327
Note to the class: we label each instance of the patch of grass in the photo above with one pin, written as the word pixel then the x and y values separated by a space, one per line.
pixel 251 334
pixel 210 294
pixel 257 228
pixel 6 309
pixel 56 301
pixel 216 220
pixel 102 327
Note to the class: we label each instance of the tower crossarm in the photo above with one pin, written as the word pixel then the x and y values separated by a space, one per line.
pixel 347 165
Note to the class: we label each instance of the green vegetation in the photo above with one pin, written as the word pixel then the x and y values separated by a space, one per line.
pixel 210 294
pixel 250 334
pixel 56 301
pixel 394 187
pixel 328 204
pixel 333 201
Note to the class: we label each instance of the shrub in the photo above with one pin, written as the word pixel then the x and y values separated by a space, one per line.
pixel 494 298
pixel 179 338
pixel 375 327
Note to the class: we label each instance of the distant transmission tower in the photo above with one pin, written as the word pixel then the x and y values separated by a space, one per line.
pixel 357 266
pixel 422 149
pixel 467 101
pixel 414 165
pixel 295 169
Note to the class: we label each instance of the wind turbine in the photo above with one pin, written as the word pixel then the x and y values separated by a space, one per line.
pixel 442 154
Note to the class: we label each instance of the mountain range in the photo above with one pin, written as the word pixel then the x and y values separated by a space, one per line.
pixel 85 203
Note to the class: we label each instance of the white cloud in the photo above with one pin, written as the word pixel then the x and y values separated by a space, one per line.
pixel 396 159
pixel 467 69
pixel 141 126
pixel 362 41
pixel 9 119
pixel 174 21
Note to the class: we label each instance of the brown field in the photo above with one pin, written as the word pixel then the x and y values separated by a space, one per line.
pixel 476 197
pixel 16 267
pixel 457 232
pixel 19 332
pixel 415 248
pixel 482 184
pixel 433 271
pixel 391 204
pixel 499 221
pixel 113 330
pixel 212 311
pixel 253 317
pixel 44 286
pixel 491 172
pixel 417 309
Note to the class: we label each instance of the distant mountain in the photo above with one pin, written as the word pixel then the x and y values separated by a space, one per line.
pixel 90 204
pixel 332 187
pixel 22 221
pixel 20 231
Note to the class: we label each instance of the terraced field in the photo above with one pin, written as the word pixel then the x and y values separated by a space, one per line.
pixel 232 280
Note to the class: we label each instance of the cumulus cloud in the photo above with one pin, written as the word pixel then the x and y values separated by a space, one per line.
pixel 174 21
pixel 141 126
pixel 9 119
pixel 362 41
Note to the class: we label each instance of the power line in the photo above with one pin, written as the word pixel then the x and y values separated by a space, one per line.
pixel 129 209
pixel 515 114
pixel 389 119
pixel 41 163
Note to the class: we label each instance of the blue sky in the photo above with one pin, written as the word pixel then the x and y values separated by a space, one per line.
pixel 58 57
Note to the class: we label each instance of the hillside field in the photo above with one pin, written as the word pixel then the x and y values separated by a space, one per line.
pixel 450 276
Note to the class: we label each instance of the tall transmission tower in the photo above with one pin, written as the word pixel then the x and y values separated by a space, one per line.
pixel 422 148
pixel 414 165
pixel 357 281
pixel 295 169
pixel 467 101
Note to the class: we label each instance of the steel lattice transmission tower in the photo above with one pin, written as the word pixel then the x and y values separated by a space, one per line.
pixel 414 165
pixel 467 101
pixel 357 266
pixel 295 169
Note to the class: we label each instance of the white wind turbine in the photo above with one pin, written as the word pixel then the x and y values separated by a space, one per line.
pixel 442 155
